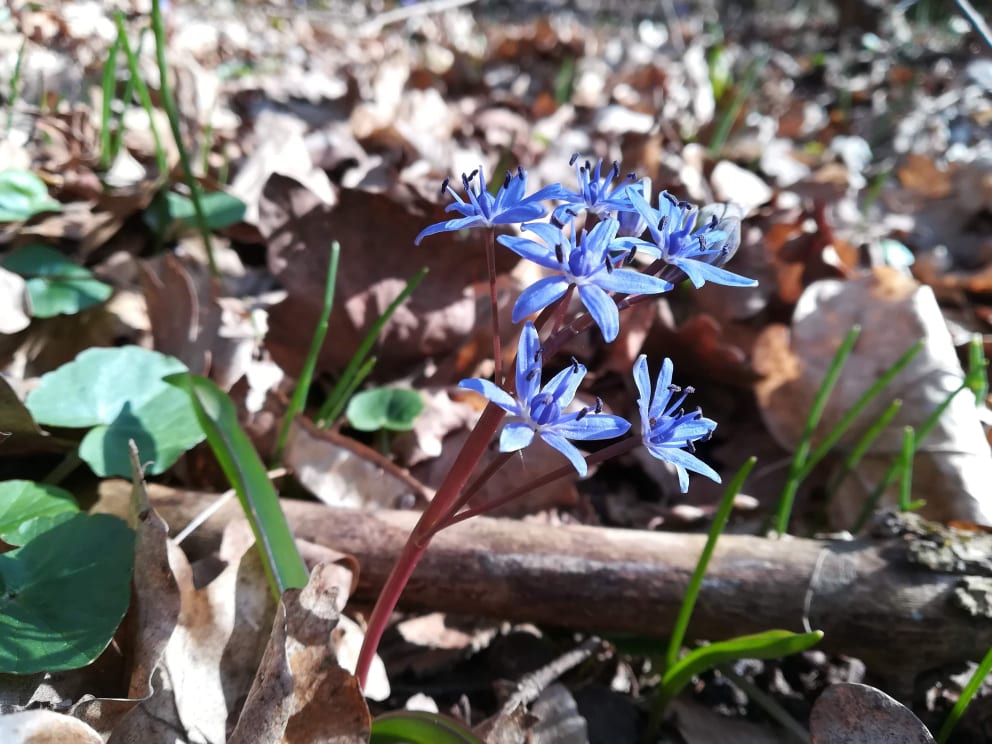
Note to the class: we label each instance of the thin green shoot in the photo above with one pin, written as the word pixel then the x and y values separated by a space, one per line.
pixel 169 104
pixel 799 459
pixel 734 110
pixel 347 385
pixel 696 581
pixel 872 501
pixel 906 502
pixel 853 458
pixel 108 84
pixel 126 98
pixel 967 694
pixel 977 378
pixel 15 85
pixel 299 397
pixel 161 160
pixel 337 398
pixel 841 427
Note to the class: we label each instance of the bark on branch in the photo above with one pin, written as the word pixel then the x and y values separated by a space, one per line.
pixel 868 598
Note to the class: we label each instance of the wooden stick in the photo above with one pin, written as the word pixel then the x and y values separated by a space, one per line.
pixel 870 601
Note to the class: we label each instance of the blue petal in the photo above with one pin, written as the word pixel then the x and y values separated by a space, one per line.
pixel 564 385
pixel 493 392
pixel 519 213
pixel 643 383
pixel 539 254
pixel 538 296
pixel 449 226
pixel 683 459
pixel 566 448
pixel 603 310
pixel 528 357
pixel 599 239
pixel 550 234
pixel 629 281
pixel 662 394
pixel 699 272
pixel 594 426
pixel 515 436
pixel 554 191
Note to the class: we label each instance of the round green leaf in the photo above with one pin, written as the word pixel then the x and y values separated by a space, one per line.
pixel 63 594
pixel 57 286
pixel 220 209
pixel 27 509
pixel 23 195
pixel 384 408
pixel 121 393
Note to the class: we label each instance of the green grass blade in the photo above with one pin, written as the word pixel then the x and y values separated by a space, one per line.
pixel 419 727
pixel 872 501
pixel 834 435
pixel 861 446
pixel 169 104
pixel 977 378
pixel 771 644
pixel 967 694
pixel 299 399
pixel 348 387
pixel 788 497
pixel 337 398
pixel 906 477
pixel 15 85
pixel 108 85
pixel 126 97
pixel 696 582
pixel 731 114
pixel 161 161
pixel 244 469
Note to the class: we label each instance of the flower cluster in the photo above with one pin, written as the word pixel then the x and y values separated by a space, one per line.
pixel 594 259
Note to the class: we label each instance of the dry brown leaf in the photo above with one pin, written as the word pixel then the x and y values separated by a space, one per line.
pixel 342 472
pixel 852 713
pixel 45 727
pixel 953 465
pixel 920 174
pixel 15 308
pixel 300 694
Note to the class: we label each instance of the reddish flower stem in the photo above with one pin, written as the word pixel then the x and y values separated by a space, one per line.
pixel 416 544
pixel 493 305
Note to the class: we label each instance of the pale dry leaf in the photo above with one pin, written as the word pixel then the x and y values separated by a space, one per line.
pixel 852 713
pixel 343 472
pixel 45 727
pixel 15 310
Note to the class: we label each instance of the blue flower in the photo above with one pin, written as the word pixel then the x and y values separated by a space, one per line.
pixel 696 250
pixel 485 210
pixel 665 427
pixel 587 264
pixel 540 411
pixel 597 192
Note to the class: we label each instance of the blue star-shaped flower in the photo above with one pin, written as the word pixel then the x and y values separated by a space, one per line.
pixel 485 210
pixel 587 264
pixel 665 428
pixel 540 411
pixel 599 193
pixel 695 250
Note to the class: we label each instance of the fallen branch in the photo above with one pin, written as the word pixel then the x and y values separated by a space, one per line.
pixel 868 598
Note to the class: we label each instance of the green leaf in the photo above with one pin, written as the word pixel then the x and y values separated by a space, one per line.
pixel 384 408
pixel 121 394
pixel 27 509
pixel 63 594
pixel 57 286
pixel 247 475
pixel 23 195
pixel 418 727
pixel 768 645
pixel 220 208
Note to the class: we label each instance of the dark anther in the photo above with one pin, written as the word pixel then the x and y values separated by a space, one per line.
pixel 444 185
pixel 571 160
pixel 672 199
pixel 616 170
pixel 609 265
pixel 630 256
pixel 599 404
pixel 465 181
pixel 702 242
pixel 537 355
pixel 663 224
pixel 506 181
pixel 691 446
pixel 473 174
pixel 689 389
pixel 532 373
pixel 713 222
pixel 684 205
pixel 557 222
pixel 632 176
pixel 589 166
pixel 575 365
pixel 520 172
pixel 559 253
pixel 582 414
pixel 674 389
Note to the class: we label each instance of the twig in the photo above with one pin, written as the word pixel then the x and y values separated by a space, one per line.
pixel 406 12
pixel 977 22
